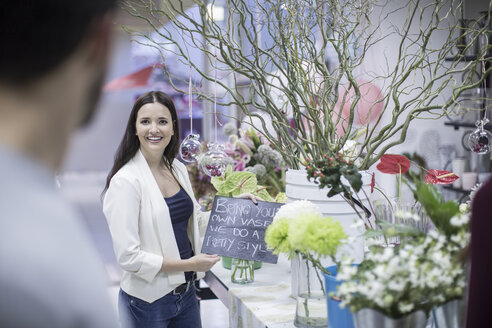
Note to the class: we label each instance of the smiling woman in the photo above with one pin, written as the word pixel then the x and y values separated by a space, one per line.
pixel 155 221
pixel 154 128
pixel 150 208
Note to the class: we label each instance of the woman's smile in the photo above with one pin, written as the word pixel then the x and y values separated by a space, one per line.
pixel 154 128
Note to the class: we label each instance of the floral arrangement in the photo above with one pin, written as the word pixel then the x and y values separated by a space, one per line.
pixel 299 227
pixel 251 152
pixel 416 276
pixel 423 272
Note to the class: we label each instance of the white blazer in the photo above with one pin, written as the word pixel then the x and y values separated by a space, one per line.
pixel 141 228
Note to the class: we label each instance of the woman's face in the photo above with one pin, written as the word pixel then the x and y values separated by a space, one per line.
pixel 154 128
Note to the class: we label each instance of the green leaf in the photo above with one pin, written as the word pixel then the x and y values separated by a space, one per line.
pixel 355 179
pixel 218 183
pixel 240 182
pixel 263 193
pixel 434 205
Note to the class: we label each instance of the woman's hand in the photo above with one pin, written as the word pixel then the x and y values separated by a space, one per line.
pixel 254 198
pixel 203 262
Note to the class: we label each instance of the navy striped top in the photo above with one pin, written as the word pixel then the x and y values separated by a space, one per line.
pixel 180 209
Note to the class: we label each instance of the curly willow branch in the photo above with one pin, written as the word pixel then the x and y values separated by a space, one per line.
pixel 278 47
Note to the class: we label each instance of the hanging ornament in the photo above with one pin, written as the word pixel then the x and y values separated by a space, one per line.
pixel 214 162
pixel 190 148
pixel 479 141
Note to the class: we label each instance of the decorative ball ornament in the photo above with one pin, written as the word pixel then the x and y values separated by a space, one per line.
pixel 479 141
pixel 214 162
pixel 190 148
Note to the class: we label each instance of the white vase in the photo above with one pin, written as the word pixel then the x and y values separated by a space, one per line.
pixel 297 187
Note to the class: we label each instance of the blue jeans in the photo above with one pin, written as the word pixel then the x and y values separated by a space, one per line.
pixel 170 311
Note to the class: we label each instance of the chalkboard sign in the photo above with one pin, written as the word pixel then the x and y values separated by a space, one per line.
pixel 237 229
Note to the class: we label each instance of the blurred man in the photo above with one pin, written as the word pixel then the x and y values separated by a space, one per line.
pixel 53 59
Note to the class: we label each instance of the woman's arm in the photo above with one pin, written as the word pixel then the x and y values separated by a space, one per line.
pixel 121 207
pixel 200 262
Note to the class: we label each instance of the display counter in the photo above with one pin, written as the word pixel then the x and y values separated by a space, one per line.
pixel 267 302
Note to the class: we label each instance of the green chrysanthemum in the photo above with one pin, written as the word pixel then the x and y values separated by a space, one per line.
pixel 277 236
pixel 310 232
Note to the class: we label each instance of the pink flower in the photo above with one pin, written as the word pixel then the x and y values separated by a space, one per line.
pixel 440 177
pixel 393 164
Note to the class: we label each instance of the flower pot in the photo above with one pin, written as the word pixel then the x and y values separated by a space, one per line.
pixel 450 315
pixel 337 317
pixel 370 318
pixel 311 299
pixel 226 263
pixel 299 188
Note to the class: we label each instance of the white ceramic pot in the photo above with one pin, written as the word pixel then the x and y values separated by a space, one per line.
pixel 299 188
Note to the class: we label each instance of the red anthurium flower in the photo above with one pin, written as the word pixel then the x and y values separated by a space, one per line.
pixel 440 177
pixel 373 182
pixel 393 164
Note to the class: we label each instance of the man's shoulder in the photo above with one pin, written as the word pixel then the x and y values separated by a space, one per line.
pixel 48 257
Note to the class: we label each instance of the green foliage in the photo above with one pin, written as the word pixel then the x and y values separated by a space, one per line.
pixel 434 205
pixel 235 183
pixel 328 172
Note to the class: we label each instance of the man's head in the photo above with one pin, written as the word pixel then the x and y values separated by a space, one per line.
pixel 53 61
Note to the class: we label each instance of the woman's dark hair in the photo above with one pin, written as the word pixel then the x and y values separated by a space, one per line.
pixel 130 143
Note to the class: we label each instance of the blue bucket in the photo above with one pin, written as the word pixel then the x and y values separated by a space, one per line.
pixel 337 317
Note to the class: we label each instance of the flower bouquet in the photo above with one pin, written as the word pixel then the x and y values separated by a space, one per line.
pixel 251 152
pixel 299 230
pixel 424 272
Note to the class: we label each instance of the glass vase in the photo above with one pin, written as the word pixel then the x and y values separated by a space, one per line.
pixel 311 296
pixel 242 271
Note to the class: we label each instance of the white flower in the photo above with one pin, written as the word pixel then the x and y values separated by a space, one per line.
pixel 294 209
pixel 405 307
pixel 349 150
pixel 464 208
pixel 459 220
pixel 346 272
pixel 396 285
